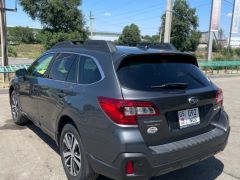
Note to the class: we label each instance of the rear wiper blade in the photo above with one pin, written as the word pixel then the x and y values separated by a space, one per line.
pixel 171 86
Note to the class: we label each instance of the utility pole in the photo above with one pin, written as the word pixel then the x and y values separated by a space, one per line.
pixel 214 24
pixel 230 33
pixel 91 18
pixel 160 38
pixel 3 29
pixel 168 21
pixel 210 37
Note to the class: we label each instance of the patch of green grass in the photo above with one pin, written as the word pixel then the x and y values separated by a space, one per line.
pixel 31 51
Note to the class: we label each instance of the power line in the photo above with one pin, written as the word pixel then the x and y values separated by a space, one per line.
pixel 91 18
pixel 228 2
pixel 131 12
pixel 122 19
pixel 133 15
pixel 203 4
pixel 131 21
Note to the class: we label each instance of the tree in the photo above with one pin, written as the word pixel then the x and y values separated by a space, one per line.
pixel 130 36
pixel 49 38
pixel 151 39
pixel 214 46
pixel 21 35
pixel 61 19
pixel 184 34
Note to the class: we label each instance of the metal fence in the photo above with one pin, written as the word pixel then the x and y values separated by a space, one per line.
pixel 212 65
pixel 12 68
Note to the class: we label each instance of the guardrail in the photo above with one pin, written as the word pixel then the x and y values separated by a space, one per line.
pixel 218 65
pixel 12 68
pixel 211 65
pixel 230 66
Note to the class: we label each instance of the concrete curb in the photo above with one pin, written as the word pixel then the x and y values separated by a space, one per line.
pixel 4 85
pixel 224 76
pixel 4 91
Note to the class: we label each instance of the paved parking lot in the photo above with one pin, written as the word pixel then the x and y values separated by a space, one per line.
pixel 26 153
pixel 14 61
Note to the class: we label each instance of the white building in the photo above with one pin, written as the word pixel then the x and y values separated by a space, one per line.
pixel 108 36
pixel 235 42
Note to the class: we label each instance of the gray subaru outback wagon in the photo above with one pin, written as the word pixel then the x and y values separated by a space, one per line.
pixel 123 112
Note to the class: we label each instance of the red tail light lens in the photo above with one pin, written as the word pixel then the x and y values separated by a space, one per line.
pixel 219 97
pixel 129 168
pixel 125 112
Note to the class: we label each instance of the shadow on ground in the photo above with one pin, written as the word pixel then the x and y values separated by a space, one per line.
pixel 10 125
pixel 208 169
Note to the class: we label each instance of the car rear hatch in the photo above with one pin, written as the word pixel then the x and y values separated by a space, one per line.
pixel 183 98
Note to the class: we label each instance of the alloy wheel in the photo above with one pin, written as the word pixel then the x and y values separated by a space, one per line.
pixel 71 154
pixel 14 106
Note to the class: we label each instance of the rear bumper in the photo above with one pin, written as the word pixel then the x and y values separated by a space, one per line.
pixel 165 158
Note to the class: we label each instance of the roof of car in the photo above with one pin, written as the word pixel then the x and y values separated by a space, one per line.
pixel 94 47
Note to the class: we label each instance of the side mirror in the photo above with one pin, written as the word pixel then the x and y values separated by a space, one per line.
pixel 21 72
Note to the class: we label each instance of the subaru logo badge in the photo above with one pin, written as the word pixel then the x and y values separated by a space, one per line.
pixel 193 100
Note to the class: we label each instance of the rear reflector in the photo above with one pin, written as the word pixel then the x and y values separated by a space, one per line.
pixel 219 97
pixel 125 112
pixel 129 168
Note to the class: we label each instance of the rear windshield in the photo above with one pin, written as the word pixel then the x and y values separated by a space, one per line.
pixel 147 74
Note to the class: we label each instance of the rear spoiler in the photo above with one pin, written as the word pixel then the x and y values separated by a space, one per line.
pixel 165 57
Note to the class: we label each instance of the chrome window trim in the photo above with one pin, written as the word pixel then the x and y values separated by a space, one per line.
pixel 80 54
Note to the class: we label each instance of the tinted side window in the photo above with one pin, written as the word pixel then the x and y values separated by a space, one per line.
pixel 39 67
pixel 89 72
pixel 61 66
pixel 72 75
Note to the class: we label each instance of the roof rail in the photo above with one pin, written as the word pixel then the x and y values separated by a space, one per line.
pixel 160 46
pixel 98 45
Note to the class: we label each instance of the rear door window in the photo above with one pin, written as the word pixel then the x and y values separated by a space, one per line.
pixel 146 74
pixel 61 66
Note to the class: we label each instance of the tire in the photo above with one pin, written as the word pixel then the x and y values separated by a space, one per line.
pixel 73 157
pixel 16 112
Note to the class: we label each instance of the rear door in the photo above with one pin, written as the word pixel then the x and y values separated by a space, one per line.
pixel 56 89
pixel 180 91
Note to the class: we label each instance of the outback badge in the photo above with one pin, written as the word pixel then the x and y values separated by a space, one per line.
pixel 152 130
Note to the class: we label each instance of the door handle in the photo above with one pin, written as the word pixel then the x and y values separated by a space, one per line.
pixel 61 94
pixel 35 90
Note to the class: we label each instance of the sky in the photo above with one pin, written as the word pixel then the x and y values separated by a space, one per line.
pixel 113 15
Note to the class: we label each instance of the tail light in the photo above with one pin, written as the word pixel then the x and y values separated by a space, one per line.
pixel 219 97
pixel 125 112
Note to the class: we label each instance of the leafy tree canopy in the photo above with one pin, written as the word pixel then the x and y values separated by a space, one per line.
pixel 184 34
pixel 49 38
pixel 130 36
pixel 21 35
pixel 151 39
pixel 56 15
pixel 61 20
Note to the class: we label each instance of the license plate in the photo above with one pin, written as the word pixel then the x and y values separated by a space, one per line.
pixel 188 117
